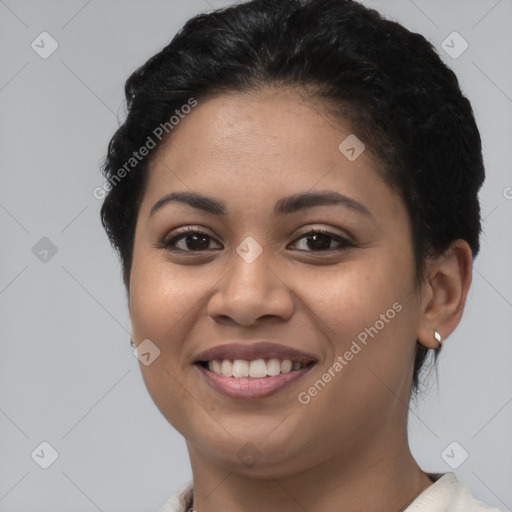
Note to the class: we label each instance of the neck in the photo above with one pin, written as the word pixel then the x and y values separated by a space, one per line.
pixel 378 475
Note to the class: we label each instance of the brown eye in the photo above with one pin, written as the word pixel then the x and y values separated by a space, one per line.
pixel 320 241
pixel 191 241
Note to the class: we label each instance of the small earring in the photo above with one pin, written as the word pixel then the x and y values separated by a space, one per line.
pixel 438 337
pixel 132 343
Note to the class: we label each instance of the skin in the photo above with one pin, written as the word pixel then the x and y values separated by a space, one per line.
pixel 347 449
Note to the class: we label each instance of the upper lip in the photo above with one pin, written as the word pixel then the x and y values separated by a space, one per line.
pixel 251 351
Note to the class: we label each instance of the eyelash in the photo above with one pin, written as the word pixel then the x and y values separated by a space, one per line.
pixel 167 243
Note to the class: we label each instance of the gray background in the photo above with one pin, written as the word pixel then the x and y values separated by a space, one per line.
pixel 67 372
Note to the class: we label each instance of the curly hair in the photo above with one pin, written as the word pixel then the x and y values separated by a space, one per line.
pixel 387 83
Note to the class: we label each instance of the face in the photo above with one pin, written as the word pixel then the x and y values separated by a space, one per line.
pixel 331 282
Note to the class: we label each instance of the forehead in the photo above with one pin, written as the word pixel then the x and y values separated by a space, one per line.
pixel 248 148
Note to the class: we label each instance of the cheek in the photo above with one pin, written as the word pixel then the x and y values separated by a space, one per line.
pixel 162 310
pixel 354 297
pixel 367 310
pixel 162 303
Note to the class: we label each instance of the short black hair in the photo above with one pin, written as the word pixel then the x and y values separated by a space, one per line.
pixel 387 83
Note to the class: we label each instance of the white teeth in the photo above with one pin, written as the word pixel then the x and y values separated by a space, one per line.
pixel 273 367
pixel 217 366
pixel 286 366
pixel 226 368
pixel 257 369
pixel 240 368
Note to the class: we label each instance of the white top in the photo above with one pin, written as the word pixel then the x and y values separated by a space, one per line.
pixel 446 494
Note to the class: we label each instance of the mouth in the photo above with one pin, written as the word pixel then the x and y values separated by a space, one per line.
pixel 252 371
pixel 255 369
pixel 254 385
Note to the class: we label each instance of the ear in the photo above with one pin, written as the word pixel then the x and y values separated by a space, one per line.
pixel 444 293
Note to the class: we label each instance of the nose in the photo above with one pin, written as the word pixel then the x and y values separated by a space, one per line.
pixel 251 291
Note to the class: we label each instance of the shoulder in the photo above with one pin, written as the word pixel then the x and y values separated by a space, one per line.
pixel 179 501
pixel 448 494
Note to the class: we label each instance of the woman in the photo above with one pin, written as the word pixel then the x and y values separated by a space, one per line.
pixel 296 237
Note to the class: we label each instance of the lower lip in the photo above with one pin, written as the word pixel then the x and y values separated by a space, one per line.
pixel 247 387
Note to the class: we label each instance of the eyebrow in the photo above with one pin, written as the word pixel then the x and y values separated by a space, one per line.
pixel 284 206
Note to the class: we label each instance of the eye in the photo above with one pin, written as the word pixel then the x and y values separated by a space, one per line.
pixel 194 240
pixel 320 241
